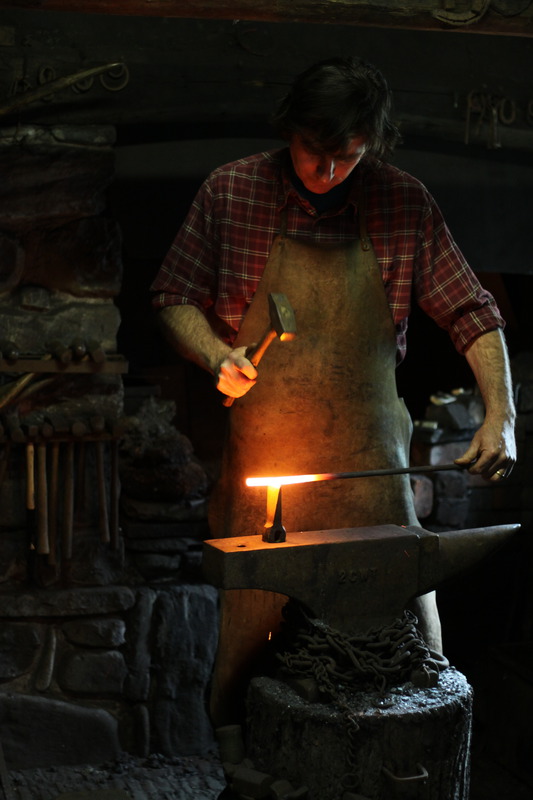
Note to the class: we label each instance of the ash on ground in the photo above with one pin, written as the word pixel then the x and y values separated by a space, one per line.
pixel 152 778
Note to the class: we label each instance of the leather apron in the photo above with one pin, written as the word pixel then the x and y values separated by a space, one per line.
pixel 324 402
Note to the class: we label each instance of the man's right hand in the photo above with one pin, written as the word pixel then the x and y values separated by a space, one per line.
pixel 236 374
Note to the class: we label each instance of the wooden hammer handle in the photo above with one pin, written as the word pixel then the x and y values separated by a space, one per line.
pixel 254 354
pixel 43 544
pixel 103 518
pixel 53 504
pixel 68 499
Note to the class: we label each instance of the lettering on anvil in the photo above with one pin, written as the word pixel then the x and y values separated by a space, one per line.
pixel 363 575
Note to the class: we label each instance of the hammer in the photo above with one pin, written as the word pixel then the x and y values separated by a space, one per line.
pixel 282 324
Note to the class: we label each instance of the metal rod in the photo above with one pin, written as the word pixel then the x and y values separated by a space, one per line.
pixel 369 473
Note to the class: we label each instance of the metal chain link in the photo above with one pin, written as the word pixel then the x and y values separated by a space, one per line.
pixel 383 657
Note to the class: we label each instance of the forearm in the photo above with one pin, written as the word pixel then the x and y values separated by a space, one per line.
pixel 492 451
pixel 189 333
pixel 489 361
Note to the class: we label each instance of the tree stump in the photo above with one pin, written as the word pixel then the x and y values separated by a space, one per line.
pixel 403 742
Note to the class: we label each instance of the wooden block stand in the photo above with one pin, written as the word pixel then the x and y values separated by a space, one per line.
pixel 405 742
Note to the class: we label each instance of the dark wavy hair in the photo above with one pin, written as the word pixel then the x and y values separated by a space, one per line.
pixel 336 100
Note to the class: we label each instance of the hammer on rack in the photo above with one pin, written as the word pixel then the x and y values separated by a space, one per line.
pixel 282 324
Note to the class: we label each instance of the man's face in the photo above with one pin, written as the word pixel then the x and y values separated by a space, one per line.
pixel 319 171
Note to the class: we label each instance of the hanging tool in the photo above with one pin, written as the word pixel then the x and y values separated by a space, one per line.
pixel 53 504
pixel 114 492
pixel 41 92
pixel 60 351
pixel 9 350
pixel 43 544
pixel 282 324
pixel 68 498
pixel 103 517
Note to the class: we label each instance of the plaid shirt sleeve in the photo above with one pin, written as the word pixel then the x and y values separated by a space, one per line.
pixel 188 274
pixel 445 286
pixel 219 254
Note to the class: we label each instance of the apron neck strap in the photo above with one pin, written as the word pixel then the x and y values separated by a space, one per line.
pixel 361 209
pixel 283 222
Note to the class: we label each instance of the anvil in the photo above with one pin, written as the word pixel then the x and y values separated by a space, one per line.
pixel 352 578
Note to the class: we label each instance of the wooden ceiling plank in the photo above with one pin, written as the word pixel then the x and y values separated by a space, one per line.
pixel 472 16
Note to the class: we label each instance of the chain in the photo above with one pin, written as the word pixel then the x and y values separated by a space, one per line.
pixel 338 662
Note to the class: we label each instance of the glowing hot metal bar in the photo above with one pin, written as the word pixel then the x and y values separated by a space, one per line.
pixel 285 480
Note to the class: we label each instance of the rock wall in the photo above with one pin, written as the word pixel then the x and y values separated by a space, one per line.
pixel 107 632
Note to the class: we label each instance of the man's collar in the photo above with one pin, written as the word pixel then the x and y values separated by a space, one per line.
pixel 287 189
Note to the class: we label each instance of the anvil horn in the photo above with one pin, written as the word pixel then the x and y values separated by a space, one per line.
pixel 460 550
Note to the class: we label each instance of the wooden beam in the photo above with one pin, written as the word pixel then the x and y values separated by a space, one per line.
pixel 472 16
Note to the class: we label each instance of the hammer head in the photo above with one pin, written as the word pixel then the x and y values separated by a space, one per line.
pixel 281 316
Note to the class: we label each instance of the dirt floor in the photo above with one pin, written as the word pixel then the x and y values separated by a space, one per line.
pixel 153 778
pixel 191 778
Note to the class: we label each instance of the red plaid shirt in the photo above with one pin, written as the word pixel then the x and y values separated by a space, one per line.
pixel 219 254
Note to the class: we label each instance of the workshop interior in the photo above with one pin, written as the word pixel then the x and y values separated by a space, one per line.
pixel 111 117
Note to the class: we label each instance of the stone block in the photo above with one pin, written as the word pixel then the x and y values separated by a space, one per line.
pixel 185 630
pixel 68 602
pixel 454 416
pixel 67 182
pixel 39 732
pixel 96 632
pixel 95 794
pixel 451 511
pixel 160 546
pixel 422 488
pixel 19 645
pixel 440 453
pixel 82 258
pixel 67 318
pixel 157 567
pixel 93 673
pixel 137 650
pixel 452 484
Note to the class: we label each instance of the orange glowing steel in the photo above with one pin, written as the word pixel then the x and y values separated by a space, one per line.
pixel 285 480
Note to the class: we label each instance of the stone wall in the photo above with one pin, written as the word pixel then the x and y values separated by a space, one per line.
pixel 107 631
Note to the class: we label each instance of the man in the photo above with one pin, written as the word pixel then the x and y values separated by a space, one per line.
pixel 350 240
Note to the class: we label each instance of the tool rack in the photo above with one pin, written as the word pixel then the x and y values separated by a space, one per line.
pixel 55 449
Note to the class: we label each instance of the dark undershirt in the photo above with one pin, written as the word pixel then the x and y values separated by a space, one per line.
pixel 328 201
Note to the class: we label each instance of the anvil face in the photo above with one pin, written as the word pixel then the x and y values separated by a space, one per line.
pixel 352 578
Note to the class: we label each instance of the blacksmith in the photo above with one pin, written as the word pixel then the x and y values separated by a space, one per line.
pixel 352 241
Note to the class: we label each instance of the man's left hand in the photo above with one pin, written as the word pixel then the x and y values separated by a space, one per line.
pixel 492 451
